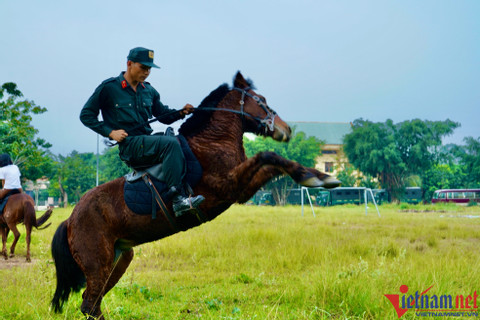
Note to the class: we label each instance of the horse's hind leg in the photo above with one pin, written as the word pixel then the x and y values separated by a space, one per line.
pixel 28 231
pixel 102 282
pixel 95 257
pixel 120 266
pixel 93 295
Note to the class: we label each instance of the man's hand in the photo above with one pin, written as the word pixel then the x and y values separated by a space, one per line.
pixel 187 109
pixel 118 135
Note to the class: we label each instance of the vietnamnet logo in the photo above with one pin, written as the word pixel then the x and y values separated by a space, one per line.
pixel 427 305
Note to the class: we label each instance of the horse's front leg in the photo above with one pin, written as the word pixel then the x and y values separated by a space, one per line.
pixel 4 241
pixel 252 172
pixel 261 177
pixel 16 235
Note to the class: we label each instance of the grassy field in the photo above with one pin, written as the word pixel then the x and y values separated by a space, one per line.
pixel 272 263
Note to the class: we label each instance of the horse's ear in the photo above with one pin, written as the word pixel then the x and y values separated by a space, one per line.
pixel 239 81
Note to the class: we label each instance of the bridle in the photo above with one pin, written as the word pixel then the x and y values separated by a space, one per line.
pixel 267 123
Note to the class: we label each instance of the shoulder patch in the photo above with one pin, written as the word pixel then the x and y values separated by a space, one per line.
pixel 109 80
pixel 147 85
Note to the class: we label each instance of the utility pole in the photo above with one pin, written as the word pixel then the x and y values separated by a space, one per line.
pixel 98 157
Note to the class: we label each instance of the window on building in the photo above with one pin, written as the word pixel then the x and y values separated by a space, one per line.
pixel 329 151
pixel 328 166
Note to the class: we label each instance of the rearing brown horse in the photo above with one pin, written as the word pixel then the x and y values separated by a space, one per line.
pixel 95 245
pixel 20 208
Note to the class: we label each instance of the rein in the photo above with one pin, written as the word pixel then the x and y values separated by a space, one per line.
pixel 159 118
pixel 268 123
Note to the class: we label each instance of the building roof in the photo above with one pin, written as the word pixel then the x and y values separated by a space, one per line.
pixel 330 132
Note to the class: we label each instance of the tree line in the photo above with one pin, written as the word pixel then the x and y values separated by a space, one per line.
pixel 384 155
pixel 387 155
pixel 70 176
pixel 411 153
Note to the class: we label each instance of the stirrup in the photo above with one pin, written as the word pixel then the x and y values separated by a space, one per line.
pixel 184 204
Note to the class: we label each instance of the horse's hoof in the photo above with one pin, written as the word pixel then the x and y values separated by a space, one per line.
pixel 331 182
pixel 28 259
pixel 12 255
pixel 312 182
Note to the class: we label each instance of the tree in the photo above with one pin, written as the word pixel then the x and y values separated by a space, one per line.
pixel 394 152
pixel 74 175
pixel 301 149
pixel 442 176
pixel 17 135
pixel 347 174
pixel 111 166
pixel 469 157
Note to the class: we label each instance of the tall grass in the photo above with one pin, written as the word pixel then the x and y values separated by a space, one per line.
pixel 272 263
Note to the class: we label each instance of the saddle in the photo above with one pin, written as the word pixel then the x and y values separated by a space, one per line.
pixel 3 202
pixel 143 187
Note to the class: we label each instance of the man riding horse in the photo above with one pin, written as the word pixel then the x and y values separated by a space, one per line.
pixel 10 176
pixel 95 245
pixel 126 103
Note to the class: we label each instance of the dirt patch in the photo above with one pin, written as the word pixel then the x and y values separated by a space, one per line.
pixel 14 262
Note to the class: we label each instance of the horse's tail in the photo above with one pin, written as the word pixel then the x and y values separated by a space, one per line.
pixel 29 216
pixel 69 276
pixel 40 221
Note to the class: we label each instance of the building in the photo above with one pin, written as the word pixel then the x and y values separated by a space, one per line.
pixel 38 190
pixel 332 134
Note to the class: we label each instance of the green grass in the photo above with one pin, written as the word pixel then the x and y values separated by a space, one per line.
pixel 272 263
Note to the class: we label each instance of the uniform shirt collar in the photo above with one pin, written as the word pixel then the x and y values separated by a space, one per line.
pixel 124 83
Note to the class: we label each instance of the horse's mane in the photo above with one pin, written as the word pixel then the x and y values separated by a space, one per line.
pixel 199 120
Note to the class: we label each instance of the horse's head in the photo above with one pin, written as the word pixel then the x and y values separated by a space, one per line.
pixel 258 117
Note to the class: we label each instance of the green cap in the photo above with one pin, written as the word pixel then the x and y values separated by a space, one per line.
pixel 143 56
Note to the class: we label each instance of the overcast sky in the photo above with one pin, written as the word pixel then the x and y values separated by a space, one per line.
pixel 332 61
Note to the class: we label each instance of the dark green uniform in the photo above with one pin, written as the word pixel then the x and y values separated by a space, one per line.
pixel 123 108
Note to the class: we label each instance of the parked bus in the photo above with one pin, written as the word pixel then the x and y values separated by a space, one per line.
pixel 267 200
pixel 294 197
pixel 323 198
pixel 255 200
pixel 412 195
pixel 340 195
pixel 381 196
pixel 462 196
pixel 356 195
pixel 344 195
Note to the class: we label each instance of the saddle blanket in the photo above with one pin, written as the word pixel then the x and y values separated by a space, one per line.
pixel 3 202
pixel 138 195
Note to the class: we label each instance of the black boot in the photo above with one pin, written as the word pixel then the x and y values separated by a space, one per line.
pixel 183 204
